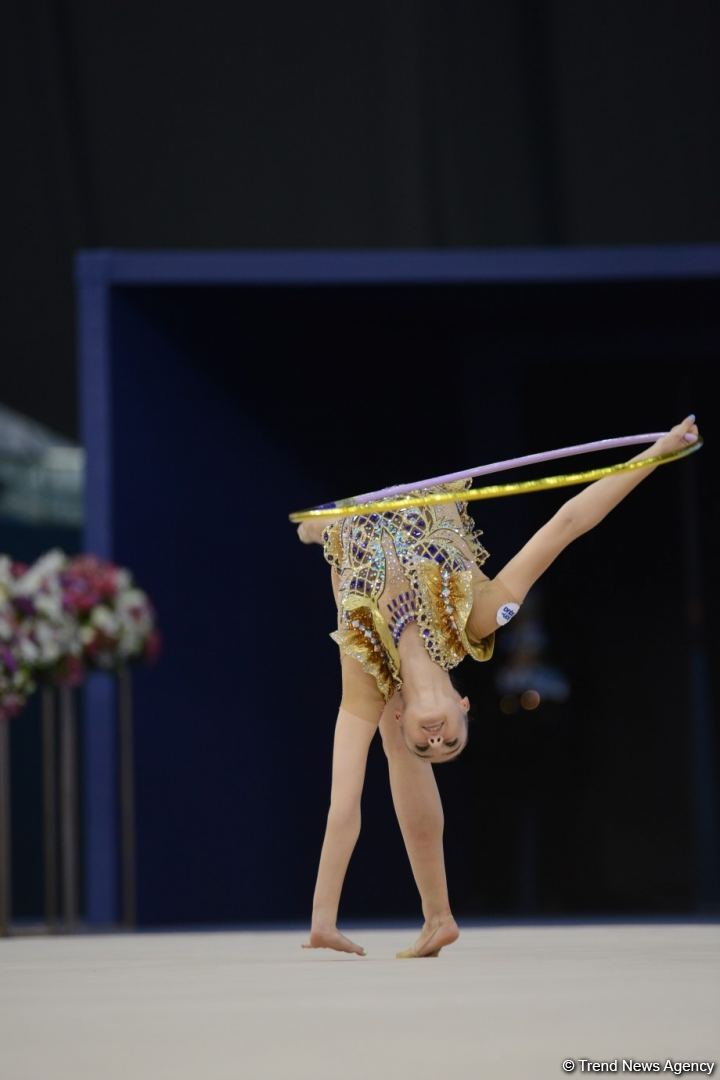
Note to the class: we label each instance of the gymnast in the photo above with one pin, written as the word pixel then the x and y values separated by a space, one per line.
pixel 412 602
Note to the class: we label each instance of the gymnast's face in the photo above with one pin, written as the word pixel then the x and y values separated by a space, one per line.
pixel 438 734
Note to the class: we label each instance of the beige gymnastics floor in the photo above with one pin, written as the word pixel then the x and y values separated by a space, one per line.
pixel 504 1002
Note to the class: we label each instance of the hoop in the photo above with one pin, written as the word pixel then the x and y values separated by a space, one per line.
pixel 378 501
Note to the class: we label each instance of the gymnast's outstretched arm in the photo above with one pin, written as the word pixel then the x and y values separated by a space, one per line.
pixel 493 597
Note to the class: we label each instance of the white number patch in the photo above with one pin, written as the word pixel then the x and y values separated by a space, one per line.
pixel 506 612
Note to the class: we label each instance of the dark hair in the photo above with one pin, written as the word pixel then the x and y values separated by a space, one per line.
pixel 457 683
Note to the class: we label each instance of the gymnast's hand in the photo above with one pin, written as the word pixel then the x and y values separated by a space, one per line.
pixel 683 434
pixel 311 532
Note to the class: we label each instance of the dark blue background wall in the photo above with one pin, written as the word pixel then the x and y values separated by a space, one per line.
pixel 233 406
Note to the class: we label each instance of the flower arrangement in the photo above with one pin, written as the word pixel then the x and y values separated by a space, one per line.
pixel 115 618
pixel 64 616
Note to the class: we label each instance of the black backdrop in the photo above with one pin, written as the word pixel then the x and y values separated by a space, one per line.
pixel 410 125
pixel 305 125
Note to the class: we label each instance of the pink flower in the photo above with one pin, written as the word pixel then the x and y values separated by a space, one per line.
pixel 69 672
pixel 11 705
pixel 153 646
pixel 7 658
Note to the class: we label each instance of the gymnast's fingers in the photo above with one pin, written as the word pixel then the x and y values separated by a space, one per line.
pixel 688 429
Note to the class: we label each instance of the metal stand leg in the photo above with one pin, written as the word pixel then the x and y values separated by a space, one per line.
pixel 5 851
pixel 68 807
pixel 127 796
pixel 50 830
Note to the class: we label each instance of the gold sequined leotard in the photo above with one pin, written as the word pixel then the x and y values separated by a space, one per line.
pixel 402 566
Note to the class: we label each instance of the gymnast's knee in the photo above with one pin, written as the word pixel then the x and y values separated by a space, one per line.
pixel 392 743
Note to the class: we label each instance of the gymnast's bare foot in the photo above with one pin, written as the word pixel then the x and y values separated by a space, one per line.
pixel 333 939
pixel 434 935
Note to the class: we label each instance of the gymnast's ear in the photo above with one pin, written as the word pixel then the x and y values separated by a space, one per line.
pixel 465 704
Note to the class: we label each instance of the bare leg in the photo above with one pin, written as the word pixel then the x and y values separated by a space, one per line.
pixel 341 833
pixel 420 815
pixel 353 735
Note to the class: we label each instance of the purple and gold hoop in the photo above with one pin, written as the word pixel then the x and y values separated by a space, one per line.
pixel 396 497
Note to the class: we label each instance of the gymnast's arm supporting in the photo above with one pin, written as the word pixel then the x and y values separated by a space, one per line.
pixel 358 718
pixel 496 600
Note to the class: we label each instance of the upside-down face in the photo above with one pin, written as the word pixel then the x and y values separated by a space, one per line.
pixel 436 732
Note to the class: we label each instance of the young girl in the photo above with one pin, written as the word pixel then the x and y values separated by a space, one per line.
pixel 412 603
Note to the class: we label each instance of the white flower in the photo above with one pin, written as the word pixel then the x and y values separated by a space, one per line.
pixel 124 579
pixel 47 604
pixel 28 650
pixel 104 619
pixel 132 598
pixel 46 566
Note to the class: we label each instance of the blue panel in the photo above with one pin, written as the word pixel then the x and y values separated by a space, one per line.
pixel 194 472
pixel 100 827
pixel 100 804
pixel 385 267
